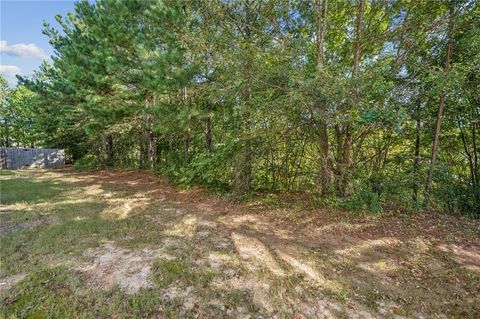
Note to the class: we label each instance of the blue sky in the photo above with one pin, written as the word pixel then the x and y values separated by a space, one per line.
pixel 23 46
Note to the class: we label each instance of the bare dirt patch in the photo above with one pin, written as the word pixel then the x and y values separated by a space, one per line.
pixel 8 227
pixel 10 281
pixel 110 265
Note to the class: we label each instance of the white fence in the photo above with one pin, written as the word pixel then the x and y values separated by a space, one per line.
pixel 14 158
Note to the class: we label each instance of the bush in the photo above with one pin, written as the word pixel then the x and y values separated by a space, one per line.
pixel 459 199
pixel 89 162
pixel 206 169
pixel 362 200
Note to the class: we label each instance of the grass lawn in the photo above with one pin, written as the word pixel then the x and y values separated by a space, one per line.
pixel 118 244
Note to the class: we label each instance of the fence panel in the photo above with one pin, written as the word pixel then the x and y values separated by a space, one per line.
pixel 15 158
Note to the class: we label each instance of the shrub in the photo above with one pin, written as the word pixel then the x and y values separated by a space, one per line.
pixel 89 162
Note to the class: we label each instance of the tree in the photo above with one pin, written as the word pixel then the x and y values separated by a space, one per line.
pixel 5 112
pixel 333 98
pixel 441 103
pixel 325 174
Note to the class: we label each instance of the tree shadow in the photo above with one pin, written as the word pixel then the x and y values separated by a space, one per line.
pixel 325 264
pixel 372 266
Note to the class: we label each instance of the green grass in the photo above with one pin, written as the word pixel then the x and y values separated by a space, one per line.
pixel 167 272
pixel 57 292
pixel 73 222
pixel 22 190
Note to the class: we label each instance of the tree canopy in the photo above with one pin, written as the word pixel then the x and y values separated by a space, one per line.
pixel 366 104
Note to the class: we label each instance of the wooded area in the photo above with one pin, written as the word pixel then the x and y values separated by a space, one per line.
pixel 363 104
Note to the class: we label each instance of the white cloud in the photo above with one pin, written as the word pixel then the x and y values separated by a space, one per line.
pixel 23 50
pixel 10 70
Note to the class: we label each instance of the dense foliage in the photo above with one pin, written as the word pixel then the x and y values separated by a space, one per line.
pixel 342 99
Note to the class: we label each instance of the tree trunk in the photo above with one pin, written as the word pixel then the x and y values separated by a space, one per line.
pixel 347 143
pixel 151 154
pixel 243 165
pixel 325 171
pixel 467 153
pixel 243 172
pixel 321 7
pixel 358 31
pixel 186 132
pixel 186 144
pixel 7 134
pixel 473 127
pixel 416 163
pixel 476 189
pixel 150 148
pixel 342 188
pixel 142 143
pixel 208 133
pixel 472 162
pixel 109 145
pixel 441 105
pixel 475 154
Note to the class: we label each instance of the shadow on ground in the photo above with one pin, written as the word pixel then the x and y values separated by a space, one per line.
pixel 131 236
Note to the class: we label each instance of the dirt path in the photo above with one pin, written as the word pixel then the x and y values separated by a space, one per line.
pixel 213 258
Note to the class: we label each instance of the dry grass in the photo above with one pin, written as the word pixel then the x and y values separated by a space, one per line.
pixel 128 244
